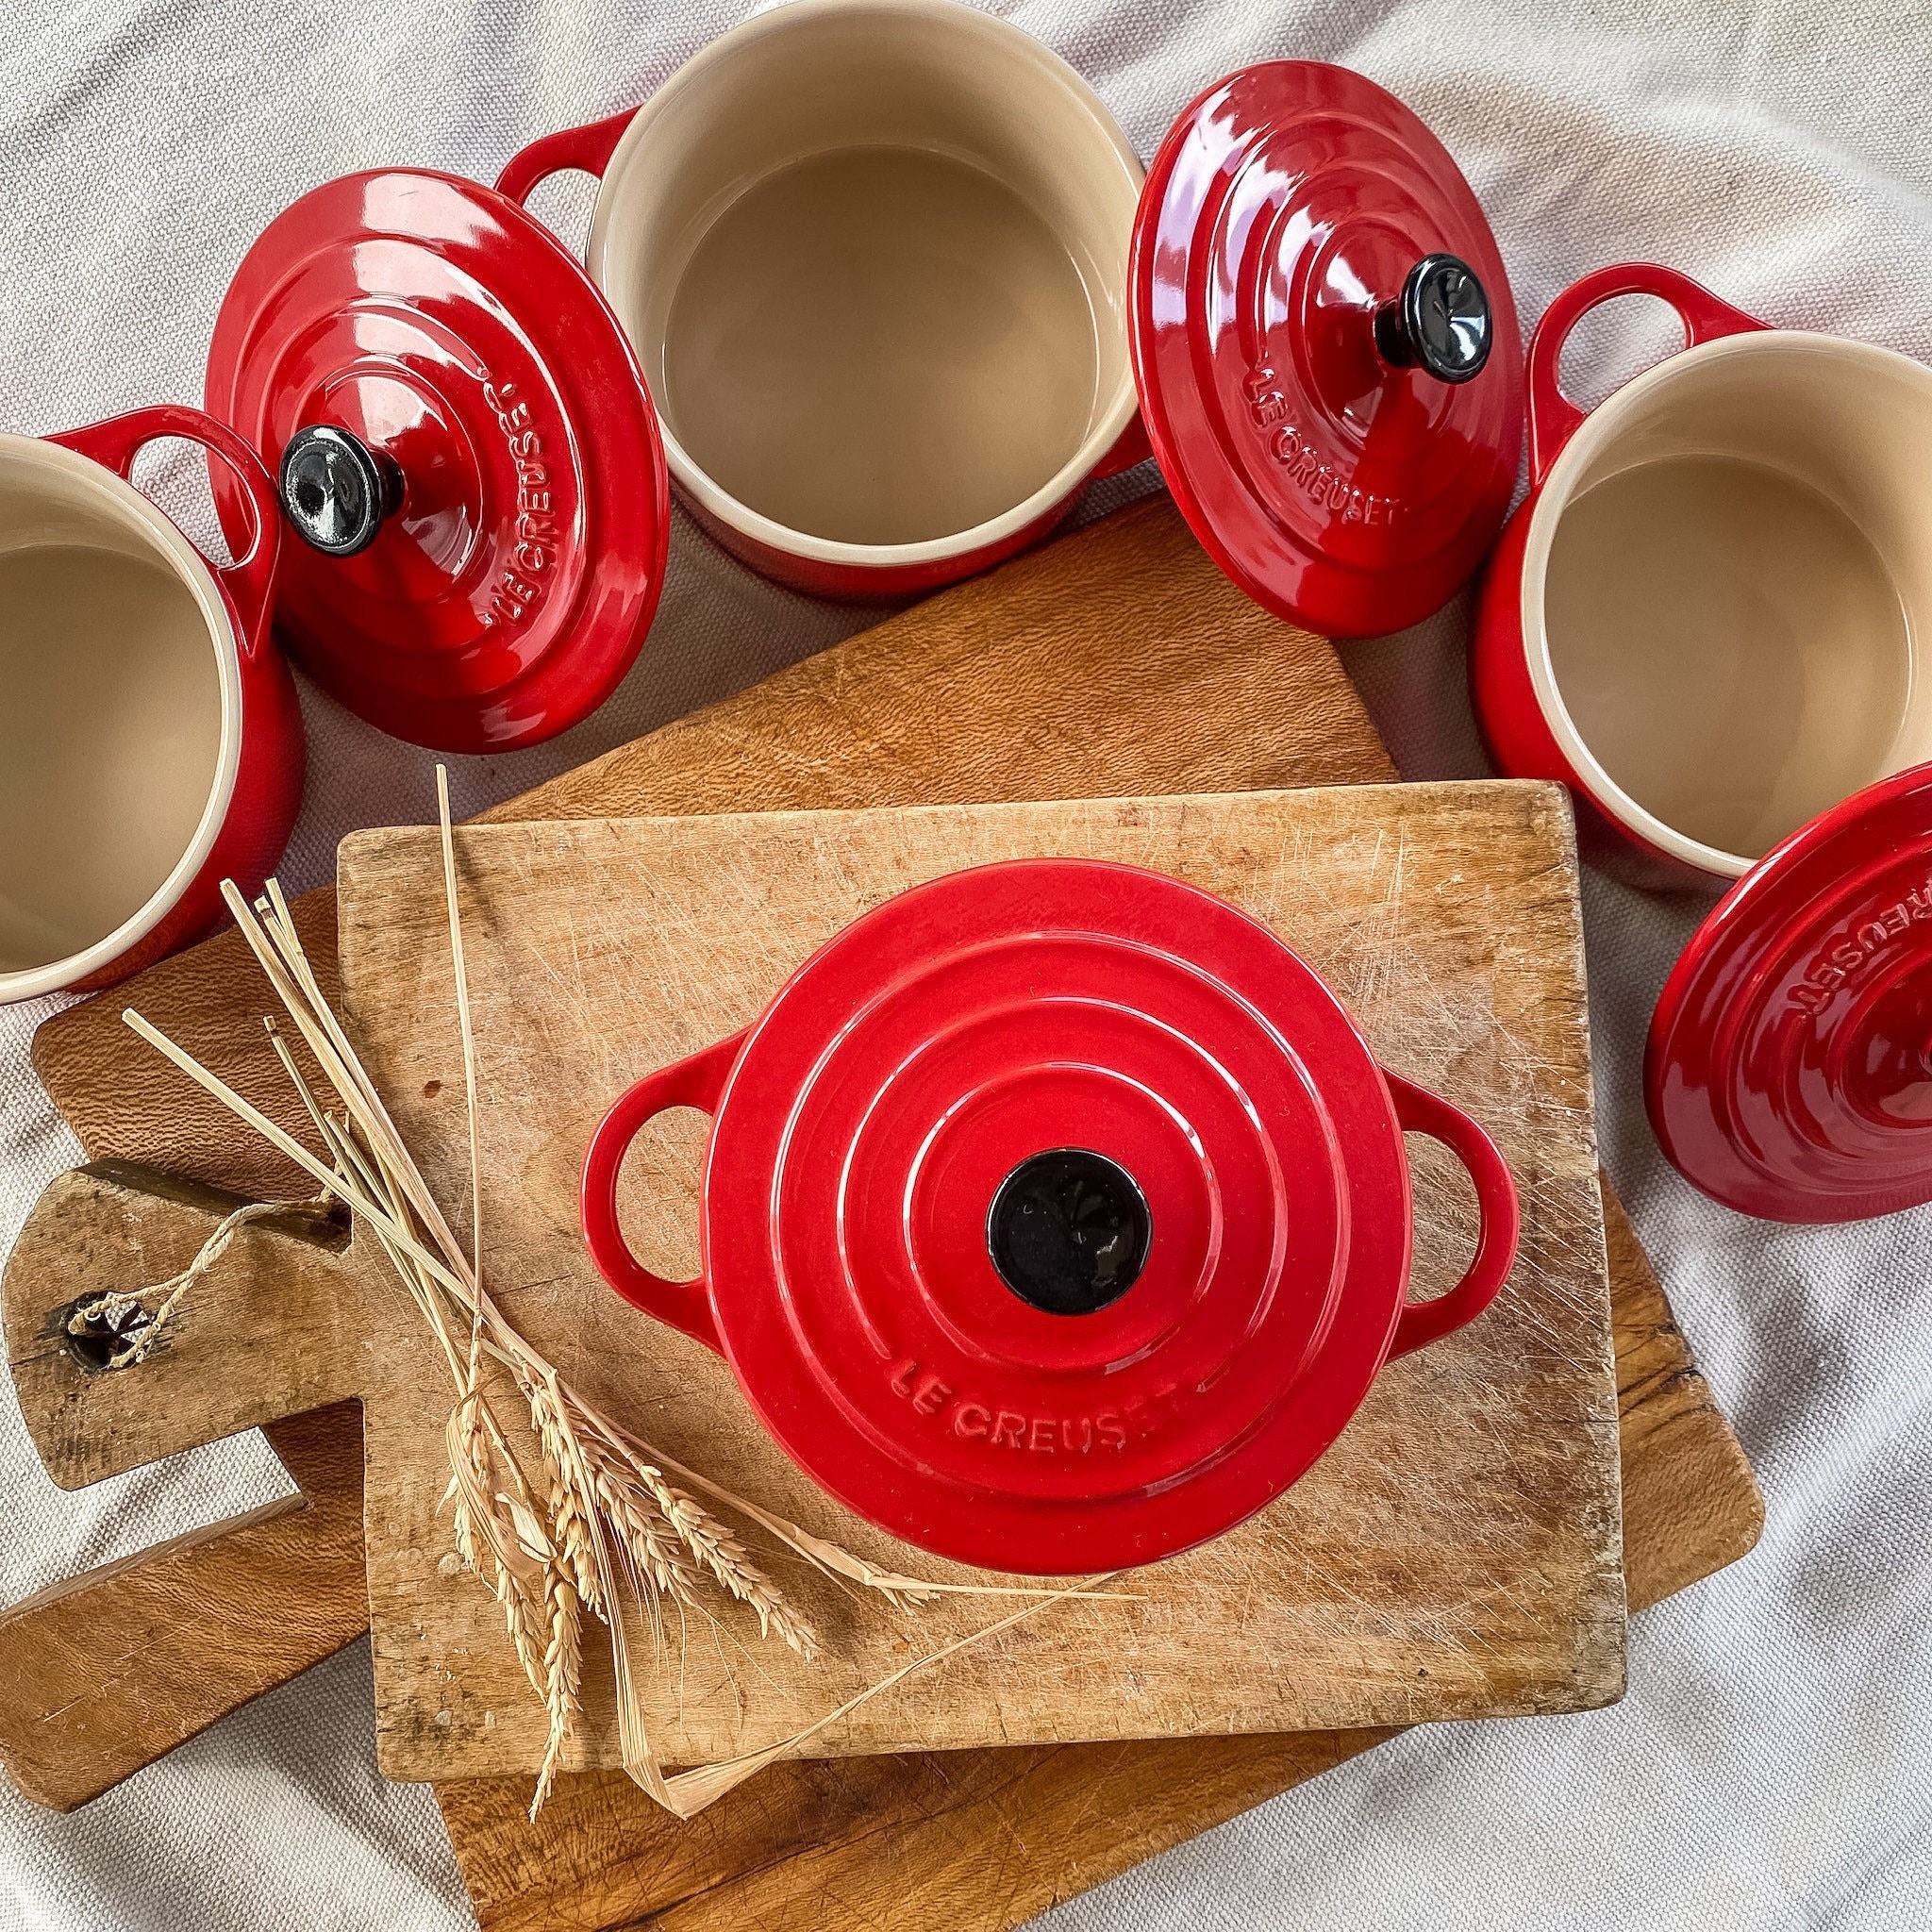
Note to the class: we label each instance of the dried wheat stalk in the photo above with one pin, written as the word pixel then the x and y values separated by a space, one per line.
pixel 602 1525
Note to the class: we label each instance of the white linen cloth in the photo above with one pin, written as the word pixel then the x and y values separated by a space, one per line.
pixel 1772 1764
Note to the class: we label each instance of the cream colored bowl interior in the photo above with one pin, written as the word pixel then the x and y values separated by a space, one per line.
pixel 873 256
pixel 1727 587
pixel 120 704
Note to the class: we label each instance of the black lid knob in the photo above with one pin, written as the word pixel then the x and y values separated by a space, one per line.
pixel 1068 1230
pixel 1440 322
pixel 336 489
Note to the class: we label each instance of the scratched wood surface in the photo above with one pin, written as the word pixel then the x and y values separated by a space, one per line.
pixel 981 1841
pixel 1460 1554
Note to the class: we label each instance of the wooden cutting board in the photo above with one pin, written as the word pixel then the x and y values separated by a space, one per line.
pixel 985 692
pixel 1115 659
pixel 1458 1553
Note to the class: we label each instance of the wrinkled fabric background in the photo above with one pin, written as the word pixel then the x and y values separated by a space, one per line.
pixel 1772 1766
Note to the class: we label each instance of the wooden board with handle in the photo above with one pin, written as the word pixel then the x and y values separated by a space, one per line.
pixel 986 692
pixel 104 1672
pixel 1457 1553
pixel 1115 659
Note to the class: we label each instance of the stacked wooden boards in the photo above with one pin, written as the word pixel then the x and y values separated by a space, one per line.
pixel 1115 660
pixel 1458 1553
pixel 983 1841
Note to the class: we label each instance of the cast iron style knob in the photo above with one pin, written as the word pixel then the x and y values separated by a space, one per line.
pixel 1068 1232
pixel 1440 322
pixel 336 489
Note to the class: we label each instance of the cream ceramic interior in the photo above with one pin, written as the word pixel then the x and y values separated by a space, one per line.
pixel 873 256
pixel 1727 591
pixel 120 700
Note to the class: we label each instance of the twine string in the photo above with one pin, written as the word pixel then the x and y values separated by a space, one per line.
pixel 113 1308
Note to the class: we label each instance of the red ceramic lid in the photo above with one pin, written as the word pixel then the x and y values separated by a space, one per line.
pixel 466 447
pixel 976 1119
pixel 1789 1064
pixel 1325 347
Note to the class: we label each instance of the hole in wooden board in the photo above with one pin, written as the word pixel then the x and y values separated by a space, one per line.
pixel 657 1191
pixel 1446 1218
pixel 95 1342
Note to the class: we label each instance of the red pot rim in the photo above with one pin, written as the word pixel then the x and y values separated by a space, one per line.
pixel 233 603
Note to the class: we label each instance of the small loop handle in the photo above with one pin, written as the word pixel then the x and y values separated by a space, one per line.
pixel 589 148
pixel 1420 1111
pixel 1553 417
pixel 697 1082
pixel 250 579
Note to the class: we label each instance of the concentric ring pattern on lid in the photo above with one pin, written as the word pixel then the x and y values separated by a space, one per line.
pixel 1789 1072
pixel 1325 347
pixel 483 520
pixel 1054 1038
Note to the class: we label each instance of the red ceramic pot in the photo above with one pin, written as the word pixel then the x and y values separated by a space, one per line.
pixel 899 287
pixel 1054 1216
pixel 864 388
pixel 1704 619
pixel 1707 620
pixel 150 742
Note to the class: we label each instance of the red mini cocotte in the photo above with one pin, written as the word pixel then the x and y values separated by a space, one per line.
pixel 1299 310
pixel 1731 681
pixel 1054 1216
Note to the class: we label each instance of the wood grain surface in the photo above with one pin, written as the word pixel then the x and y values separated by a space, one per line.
pixel 106 1672
pixel 1458 1553
pixel 980 692
pixel 980 1841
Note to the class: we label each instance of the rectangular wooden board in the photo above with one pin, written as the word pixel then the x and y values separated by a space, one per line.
pixel 1458 1553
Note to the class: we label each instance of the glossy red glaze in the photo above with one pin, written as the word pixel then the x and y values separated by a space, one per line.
pixel 1788 1071
pixel 844 583
pixel 585 150
pixel 268 779
pixel 1509 710
pixel 507 596
pixel 588 150
pixel 1285 209
pixel 880 584
pixel 863 1126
